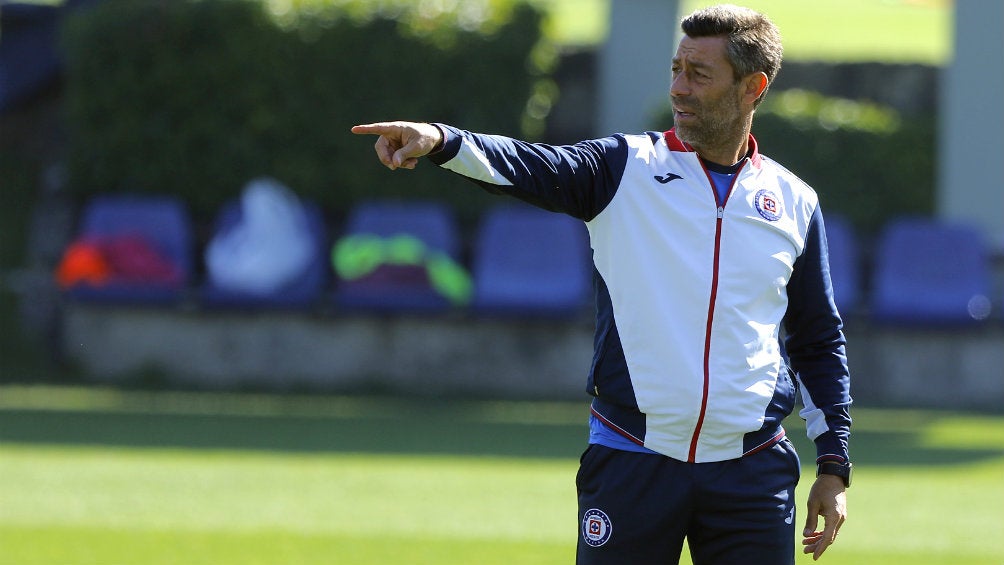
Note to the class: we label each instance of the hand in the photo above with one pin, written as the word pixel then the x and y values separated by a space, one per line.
pixel 827 498
pixel 402 143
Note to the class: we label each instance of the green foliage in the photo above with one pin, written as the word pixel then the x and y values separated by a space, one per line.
pixel 18 196
pixel 865 163
pixel 864 160
pixel 807 110
pixel 197 97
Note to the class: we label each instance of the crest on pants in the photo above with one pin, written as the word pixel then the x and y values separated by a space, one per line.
pixel 596 527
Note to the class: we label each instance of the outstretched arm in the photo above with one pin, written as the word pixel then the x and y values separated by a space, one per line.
pixel 578 180
pixel 401 144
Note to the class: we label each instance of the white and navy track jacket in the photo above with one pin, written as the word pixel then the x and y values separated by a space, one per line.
pixel 691 293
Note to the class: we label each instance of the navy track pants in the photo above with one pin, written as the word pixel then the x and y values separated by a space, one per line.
pixel 637 508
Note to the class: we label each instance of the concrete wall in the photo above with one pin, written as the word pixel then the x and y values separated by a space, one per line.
pixel 480 357
pixel 283 351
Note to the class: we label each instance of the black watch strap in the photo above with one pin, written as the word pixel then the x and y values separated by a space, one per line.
pixel 842 470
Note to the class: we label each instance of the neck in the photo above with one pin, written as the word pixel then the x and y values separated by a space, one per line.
pixel 729 151
pixel 725 156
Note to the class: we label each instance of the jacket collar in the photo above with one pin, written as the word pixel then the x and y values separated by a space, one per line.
pixel 675 144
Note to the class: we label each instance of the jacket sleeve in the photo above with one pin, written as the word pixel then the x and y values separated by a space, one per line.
pixel 578 180
pixel 815 347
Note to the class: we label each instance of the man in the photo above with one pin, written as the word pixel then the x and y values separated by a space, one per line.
pixel 703 250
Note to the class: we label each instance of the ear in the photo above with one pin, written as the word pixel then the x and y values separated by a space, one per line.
pixel 754 85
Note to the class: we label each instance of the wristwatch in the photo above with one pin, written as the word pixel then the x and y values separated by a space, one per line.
pixel 842 470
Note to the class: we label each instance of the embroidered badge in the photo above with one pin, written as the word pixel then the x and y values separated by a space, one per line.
pixel 768 205
pixel 596 527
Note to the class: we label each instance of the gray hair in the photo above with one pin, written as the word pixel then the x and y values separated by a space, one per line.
pixel 753 42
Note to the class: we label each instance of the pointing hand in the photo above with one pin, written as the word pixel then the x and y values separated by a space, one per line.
pixel 402 143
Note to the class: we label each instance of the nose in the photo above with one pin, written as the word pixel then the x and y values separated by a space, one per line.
pixel 678 85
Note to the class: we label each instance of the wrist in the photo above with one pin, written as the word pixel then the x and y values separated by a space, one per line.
pixel 441 139
pixel 843 471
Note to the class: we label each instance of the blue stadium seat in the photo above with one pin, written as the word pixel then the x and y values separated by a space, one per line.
pixel 930 273
pixel 29 59
pixel 393 286
pixel 161 224
pixel 844 263
pixel 302 292
pixel 530 262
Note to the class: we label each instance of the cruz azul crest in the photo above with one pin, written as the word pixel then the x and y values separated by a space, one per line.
pixel 769 205
pixel 596 527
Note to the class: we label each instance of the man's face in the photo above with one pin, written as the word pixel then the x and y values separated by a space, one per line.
pixel 706 97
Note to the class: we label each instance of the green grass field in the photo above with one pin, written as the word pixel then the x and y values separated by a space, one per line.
pixel 106 477
pixel 890 31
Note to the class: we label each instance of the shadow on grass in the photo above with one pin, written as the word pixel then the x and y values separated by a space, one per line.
pixel 393 426
pixel 414 431
pixel 875 447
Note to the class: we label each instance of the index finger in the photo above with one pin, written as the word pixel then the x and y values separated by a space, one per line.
pixel 379 128
pixel 831 526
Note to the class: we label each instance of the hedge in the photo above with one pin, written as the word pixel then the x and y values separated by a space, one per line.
pixel 196 98
pixel 868 177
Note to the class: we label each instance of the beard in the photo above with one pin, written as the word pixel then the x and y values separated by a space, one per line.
pixel 720 120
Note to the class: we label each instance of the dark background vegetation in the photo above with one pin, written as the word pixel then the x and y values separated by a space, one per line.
pixel 197 98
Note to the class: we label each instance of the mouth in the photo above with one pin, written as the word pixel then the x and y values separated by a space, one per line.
pixel 682 111
pixel 679 114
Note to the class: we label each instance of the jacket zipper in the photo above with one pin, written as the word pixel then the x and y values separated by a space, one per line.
pixel 692 455
pixel 707 339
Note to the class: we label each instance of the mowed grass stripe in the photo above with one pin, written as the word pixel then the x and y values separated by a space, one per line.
pixel 104 546
pixel 363 486
pixel 373 507
pixel 479 498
